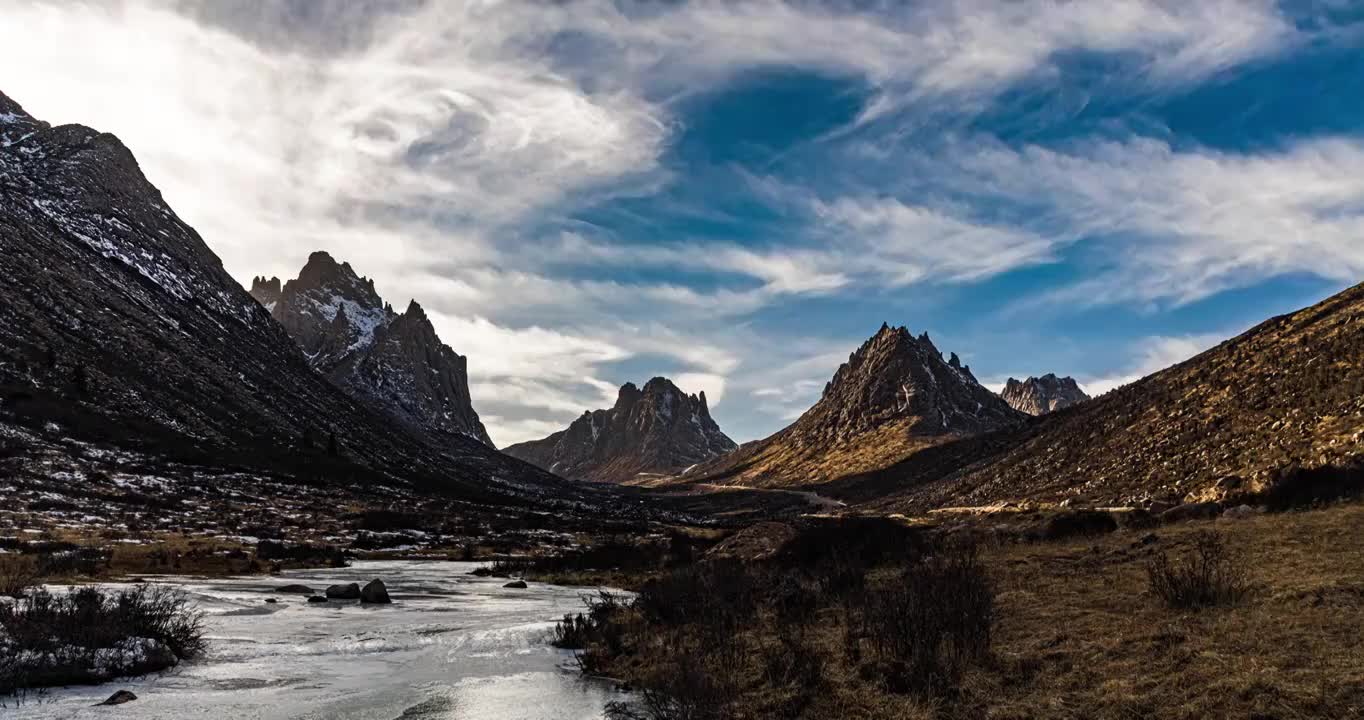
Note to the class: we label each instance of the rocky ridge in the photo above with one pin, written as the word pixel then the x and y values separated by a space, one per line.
pixel 1041 395
pixel 895 395
pixel 393 362
pixel 1276 412
pixel 656 430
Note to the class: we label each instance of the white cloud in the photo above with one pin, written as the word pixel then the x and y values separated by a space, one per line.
pixel 1179 226
pixel 711 384
pixel 416 139
pixel 1154 354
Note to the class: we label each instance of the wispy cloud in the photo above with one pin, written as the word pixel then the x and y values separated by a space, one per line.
pixel 1175 226
pixel 430 143
pixel 1154 354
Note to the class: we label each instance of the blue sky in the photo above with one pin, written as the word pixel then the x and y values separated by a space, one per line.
pixel 737 195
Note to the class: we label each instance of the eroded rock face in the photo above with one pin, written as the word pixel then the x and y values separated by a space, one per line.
pixel 654 430
pixel 895 375
pixel 895 395
pixel 1041 395
pixel 393 362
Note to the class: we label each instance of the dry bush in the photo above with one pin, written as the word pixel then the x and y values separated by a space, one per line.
pixel 92 635
pixel 18 575
pixel 930 624
pixel 1209 576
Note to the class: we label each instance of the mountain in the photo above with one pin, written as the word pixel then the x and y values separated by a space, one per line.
pixel 658 430
pixel 1279 405
pixel 1041 395
pixel 119 326
pixel 894 396
pixel 394 363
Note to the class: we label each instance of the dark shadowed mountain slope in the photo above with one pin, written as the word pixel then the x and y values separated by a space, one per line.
pixel 394 363
pixel 1041 395
pixel 658 430
pixel 1259 413
pixel 119 325
pixel 894 396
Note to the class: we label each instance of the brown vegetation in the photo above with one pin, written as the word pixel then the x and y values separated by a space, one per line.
pixel 1068 628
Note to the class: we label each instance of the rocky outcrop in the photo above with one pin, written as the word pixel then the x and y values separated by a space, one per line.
pixel 897 394
pixel 1041 395
pixel 656 430
pixel 394 363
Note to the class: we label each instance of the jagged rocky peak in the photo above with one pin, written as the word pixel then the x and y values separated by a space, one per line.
pixel 393 362
pixel 654 430
pixel 894 375
pixel 1041 395
pixel 266 290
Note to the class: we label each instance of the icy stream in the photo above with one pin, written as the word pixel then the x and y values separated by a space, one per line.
pixel 452 646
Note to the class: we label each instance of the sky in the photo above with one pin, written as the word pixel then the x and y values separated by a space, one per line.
pixel 737 195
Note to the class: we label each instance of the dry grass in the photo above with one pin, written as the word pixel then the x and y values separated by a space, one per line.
pixel 1079 635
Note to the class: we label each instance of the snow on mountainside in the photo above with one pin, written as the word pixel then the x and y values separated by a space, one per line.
pixel 119 326
pixel 655 430
pixel 394 363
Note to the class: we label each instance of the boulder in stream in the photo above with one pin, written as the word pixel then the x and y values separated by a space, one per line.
pixel 348 591
pixel 375 593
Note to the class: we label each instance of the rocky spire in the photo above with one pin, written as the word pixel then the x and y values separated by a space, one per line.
pixel 394 362
pixel 1041 395
pixel 651 431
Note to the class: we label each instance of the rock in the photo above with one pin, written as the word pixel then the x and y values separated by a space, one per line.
pixel 1039 396
pixel 271 600
pixel 516 585
pixel 481 572
pixel 295 590
pixel 1191 511
pixel 394 363
pixel 348 591
pixel 317 599
pixel 1240 512
pixel 1079 523
pixel 375 593
pixel 118 698
pixel 657 430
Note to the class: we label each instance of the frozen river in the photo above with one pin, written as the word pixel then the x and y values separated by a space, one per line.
pixel 451 646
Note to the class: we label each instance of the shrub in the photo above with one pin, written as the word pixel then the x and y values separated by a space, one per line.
pixel 91 635
pixel 18 575
pixel 576 632
pixel 1210 575
pixel 931 623
pixel 1079 523
pixel 685 688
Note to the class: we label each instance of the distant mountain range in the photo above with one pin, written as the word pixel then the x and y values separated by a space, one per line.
pixel 1041 395
pixel 896 395
pixel 658 430
pixel 120 328
pixel 391 362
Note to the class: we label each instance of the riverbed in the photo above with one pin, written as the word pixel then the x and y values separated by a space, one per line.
pixel 451 646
